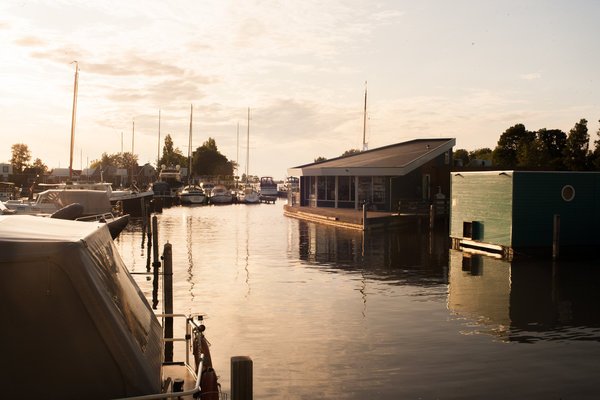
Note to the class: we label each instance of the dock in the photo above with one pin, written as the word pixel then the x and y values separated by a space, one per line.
pixel 354 219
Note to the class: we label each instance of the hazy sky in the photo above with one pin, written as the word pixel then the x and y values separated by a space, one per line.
pixel 462 69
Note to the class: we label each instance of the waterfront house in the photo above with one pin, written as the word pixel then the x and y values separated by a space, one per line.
pixel 513 212
pixel 390 178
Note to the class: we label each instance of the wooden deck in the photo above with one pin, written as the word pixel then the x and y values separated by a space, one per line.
pixel 353 219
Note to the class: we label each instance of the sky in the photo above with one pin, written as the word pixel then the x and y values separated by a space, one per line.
pixel 454 69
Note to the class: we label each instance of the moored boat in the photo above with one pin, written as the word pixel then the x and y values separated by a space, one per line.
pixel 78 316
pixel 220 195
pixel 250 196
pixel 192 194
pixel 267 186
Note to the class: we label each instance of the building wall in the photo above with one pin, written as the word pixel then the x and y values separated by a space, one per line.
pixel 538 196
pixel 485 198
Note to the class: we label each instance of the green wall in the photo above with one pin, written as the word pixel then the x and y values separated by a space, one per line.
pixel 485 197
pixel 538 196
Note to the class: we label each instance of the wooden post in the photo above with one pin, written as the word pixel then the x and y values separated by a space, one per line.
pixel 431 216
pixel 168 299
pixel 155 264
pixel 241 378
pixel 364 221
pixel 556 237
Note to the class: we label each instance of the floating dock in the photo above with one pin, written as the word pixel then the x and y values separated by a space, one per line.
pixel 355 219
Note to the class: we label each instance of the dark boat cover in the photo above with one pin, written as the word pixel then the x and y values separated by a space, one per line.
pixel 74 323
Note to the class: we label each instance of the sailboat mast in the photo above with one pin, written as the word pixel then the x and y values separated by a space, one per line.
pixel 158 149
pixel 364 146
pixel 73 120
pixel 248 147
pixel 190 146
pixel 132 143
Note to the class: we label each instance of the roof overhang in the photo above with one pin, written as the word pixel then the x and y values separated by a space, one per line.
pixel 313 170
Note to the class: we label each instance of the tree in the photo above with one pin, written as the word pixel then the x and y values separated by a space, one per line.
pixel 577 146
pixel 207 160
pixel 118 160
pixel 171 156
pixel 460 157
pixel 506 152
pixel 595 155
pixel 349 152
pixel 320 158
pixel 39 167
pixel 20 157
pixel 551 144
pixel 480 154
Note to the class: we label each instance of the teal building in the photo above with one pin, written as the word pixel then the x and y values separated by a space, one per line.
pixel 513 212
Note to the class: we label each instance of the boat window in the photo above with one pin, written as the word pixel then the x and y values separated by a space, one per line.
pixel 321 187
pixel 344 188
pixel 330 188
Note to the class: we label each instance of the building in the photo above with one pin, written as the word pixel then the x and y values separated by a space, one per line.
pixel 5 171
pixel 389 178
pixel 513 212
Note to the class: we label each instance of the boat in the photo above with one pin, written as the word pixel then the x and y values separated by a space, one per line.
pixel 249 196
pixel 192 194
pixel 220 195
pixel 76 314
pixel 169 193
pixel 268 188
pixel 82 204
pixel 131 201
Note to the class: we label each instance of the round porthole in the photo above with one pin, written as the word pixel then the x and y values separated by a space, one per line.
pixel 568 193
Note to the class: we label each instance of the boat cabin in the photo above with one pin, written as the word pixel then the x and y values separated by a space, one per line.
pixel 72 311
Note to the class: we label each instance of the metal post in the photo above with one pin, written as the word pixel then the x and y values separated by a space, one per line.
pixel 556 237
pixel 155 264
pixel 168 299
pixel 241 378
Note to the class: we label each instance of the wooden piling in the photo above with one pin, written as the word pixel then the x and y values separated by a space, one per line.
pixel 241 378
pixel 364 216
pixel 556 237
pixel 431 217
pixel 168 299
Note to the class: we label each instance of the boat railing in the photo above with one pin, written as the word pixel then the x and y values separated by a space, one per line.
pixel 193 332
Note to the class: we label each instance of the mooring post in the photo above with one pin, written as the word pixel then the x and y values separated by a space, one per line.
pixel 556 237
pixel 364 221
pixel 241 378
pixel 168 299
pixel 431 216
pixel 156 263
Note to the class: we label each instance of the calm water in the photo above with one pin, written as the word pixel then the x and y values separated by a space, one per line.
pixel 326 314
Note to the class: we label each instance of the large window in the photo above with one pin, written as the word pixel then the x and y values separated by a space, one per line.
pixel 344 188
pixel 331 188
pixel 321 187
pixel 378 189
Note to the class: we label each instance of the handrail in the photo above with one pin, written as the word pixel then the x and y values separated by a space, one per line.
pixel 195 390
pixel 188 337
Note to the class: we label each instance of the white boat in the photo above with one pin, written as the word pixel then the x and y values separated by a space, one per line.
pixel 82 205
pixel 78 316
pixel 267 186
pixel 250 196
pixel 220 195
pixel 192 194
pixel 172 177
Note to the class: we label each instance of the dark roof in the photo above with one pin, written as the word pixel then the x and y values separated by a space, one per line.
pixel 393 160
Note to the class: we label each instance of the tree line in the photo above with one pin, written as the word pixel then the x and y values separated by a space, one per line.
pixel 545 149
pixel 206 160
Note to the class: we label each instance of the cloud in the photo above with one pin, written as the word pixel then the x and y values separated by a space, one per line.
pixel 29 41
pixel 531 76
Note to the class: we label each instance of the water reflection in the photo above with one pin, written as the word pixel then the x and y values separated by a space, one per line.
pixel 525 301
pixel 404 256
